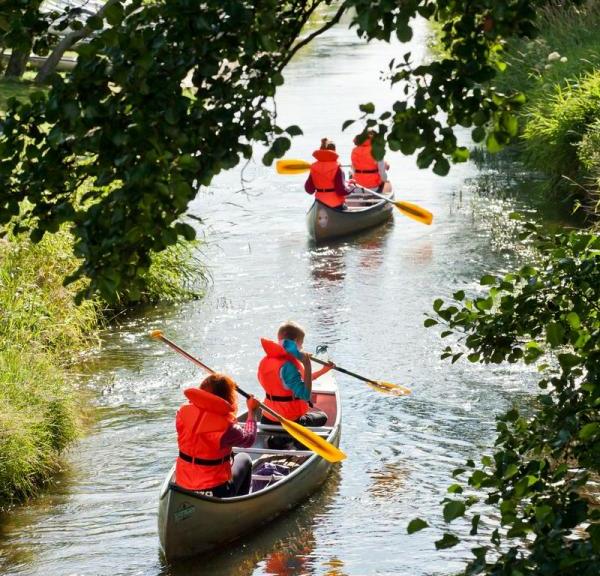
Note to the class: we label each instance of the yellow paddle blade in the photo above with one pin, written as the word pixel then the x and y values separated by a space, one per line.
pixel 415 212
pixel 156 334
pixel 284 166
pixel 312 441
pixel 389 388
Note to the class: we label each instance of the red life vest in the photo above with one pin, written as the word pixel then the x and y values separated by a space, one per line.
pixel 279 398
pixel 323 173
pixel 366 172
pixel 202 463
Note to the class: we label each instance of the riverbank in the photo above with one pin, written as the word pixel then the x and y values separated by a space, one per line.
pixel 559 71
pixel 42 331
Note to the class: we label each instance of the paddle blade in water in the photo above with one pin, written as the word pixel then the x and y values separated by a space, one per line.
pixel 284 166
pixel 415 212
pixel 389 388
pixel 312 441
pixel 156 334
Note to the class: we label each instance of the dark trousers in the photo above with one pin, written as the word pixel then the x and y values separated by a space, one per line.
pixel 312 418
pixel 285 441
pixel 241 476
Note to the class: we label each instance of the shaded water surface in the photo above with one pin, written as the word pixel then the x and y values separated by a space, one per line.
pixel 364 298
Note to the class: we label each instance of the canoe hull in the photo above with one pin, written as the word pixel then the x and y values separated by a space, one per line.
pixel 324 223
pixel 189 524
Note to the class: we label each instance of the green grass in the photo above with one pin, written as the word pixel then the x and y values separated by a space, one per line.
pixel 571 33
pixel 558 71
pixel 558 124
pixel 19 89
pixel 40 328
pixel 41 331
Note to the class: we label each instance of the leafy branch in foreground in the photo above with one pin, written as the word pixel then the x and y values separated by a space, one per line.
pixel 542 476
pixel 118 148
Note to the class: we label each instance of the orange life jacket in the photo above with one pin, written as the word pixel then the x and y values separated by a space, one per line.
pixel 279 398
pixel 323 173
pixel 366 172
pixel 202 463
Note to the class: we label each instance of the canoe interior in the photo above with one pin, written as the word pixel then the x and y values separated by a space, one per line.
pixel 323 400
pixel 359 200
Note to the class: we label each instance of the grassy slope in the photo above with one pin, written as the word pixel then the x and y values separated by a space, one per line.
pixel 39 326
pixel 560 73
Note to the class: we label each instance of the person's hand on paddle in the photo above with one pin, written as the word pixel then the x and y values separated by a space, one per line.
pixel 252 404
pixel 326 368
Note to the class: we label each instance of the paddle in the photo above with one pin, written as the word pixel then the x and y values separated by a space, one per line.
pixel 379 385
pixel 407 208
pixel 308 438
pixel 286 166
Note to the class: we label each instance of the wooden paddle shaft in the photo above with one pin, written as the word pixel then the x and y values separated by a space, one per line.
pixel 205 367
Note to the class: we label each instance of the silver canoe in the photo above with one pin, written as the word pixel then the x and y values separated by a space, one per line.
pixel 191 524
pixel 364 211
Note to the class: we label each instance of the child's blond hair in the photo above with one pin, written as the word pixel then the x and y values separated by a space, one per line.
pixel 290 331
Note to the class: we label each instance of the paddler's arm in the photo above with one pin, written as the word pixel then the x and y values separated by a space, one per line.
pixel 323 370
pixel 309 185
pixel 291 377
pixel 242 437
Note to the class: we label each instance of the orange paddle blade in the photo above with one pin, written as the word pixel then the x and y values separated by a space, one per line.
pixel 415 212
pixel 286 166
pixel 389 388
pixel 312 441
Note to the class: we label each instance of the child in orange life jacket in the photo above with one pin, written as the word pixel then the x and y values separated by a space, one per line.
pixel 206 432
pixel 286 375
pixel 366 171
pixel 326 179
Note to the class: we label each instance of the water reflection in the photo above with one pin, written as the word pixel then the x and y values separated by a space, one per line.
pixel 281 548
pixel 327 266
pixel 387 480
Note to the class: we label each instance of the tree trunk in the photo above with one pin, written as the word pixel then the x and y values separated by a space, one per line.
pixel 16 64
pixel 67 42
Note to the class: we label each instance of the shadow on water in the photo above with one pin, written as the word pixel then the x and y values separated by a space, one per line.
pixel 281 548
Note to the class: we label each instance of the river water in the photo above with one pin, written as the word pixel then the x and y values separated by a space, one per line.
pixel 364 297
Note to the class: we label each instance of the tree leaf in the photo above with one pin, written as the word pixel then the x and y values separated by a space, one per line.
pixel 415 525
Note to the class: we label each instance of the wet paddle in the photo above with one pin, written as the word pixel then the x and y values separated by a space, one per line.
pixel 307 437
pixel 407 208
pixel 287 166
pixel 379 385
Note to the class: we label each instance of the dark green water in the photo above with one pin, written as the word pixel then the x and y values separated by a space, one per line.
pixel 364 297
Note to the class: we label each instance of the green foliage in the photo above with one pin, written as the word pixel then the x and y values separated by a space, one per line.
pixel 23 27
pixel 556 71
pixel 542 473
pixel 454 90
pixel 557 126
pixel 40 329
pixel 122 126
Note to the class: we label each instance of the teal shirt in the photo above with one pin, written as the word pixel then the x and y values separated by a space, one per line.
pixel 290 375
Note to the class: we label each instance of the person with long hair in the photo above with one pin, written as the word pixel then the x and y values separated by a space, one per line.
pixel 326 179
pixel 207 430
